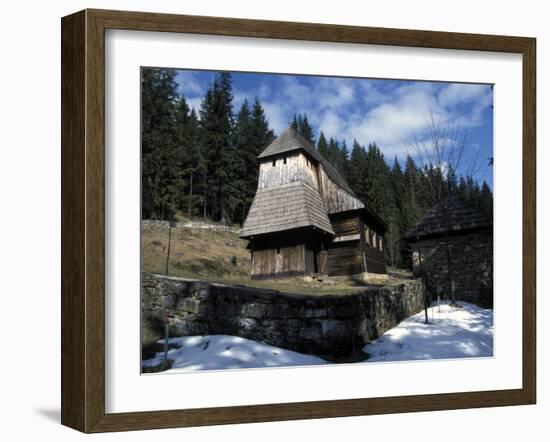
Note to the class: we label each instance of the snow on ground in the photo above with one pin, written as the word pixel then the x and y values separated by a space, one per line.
pixel 452 333
pixel 217 352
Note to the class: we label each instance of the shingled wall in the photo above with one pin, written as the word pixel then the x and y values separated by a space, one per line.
pixel 335 327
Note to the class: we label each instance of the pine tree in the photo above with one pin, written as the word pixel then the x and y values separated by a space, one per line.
pixel 252 136
pixel 396 248
pixel 334 154
pixel 322 145
pixel 191 158
pixel 412 206
pixel 216 120
pixel 486 200
pixel 356 169
pixel 161 177
pixel 307 131
pixel 246 156
pixel 301 125
pixel 344 153
pixel 262 136
pixel 378 184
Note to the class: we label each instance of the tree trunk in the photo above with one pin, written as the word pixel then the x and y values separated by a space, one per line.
pixel 190 195
pixel 222 208
pixel 450 270
pixel 204 195
pixel 423 281
pixel 168 251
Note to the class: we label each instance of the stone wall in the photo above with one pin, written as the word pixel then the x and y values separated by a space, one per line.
pixel 163 225
pixel 332 326
pixel 471 263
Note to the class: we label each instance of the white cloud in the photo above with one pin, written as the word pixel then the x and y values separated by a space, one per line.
pixel 188 83
pixel 371 94
pixel 238 100
pixel 394 124
pixel 276 116
pixel 404 116
pixel 457 93
pixel 334 92
pixel 264 91
pixel 394 114
pixel 331 124
pixel 194 103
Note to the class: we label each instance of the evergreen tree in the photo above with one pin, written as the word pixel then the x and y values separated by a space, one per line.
pixel 334 154
pixel 412 206
pixel 356 168
pixel 301 125
pixel 262 136
pixel 322 145
pixel 344 153
pixel 377 182
pixel 191 158
pixel 216 120
pixel 161 177
pixel 396 247
pixel 246 155
pixel 486 200
pixel 252 136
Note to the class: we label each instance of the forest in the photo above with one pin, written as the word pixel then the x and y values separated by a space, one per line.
pixel 203 164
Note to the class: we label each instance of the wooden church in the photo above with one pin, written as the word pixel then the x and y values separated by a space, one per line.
pixel 306 220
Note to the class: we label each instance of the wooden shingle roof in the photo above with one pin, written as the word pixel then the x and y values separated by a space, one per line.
pixel 450 215
pixel 290 140
pixel 285 207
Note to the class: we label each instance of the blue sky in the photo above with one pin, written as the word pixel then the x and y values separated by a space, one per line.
pixel 396 114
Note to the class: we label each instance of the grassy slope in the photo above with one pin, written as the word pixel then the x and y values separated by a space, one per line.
pixel 220 256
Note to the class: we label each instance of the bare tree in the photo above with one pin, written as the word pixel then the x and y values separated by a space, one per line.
pixel 443 151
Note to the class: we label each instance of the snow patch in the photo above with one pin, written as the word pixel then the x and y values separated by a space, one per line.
pixel 452 333
pixel 218 352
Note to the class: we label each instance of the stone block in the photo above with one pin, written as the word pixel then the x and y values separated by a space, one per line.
pixel 331 327
pixel 247 324
pixel 191 305
pixel 255 311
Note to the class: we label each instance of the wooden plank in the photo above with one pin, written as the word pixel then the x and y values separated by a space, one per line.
pixel 345 259
pixel 73 248
pixel 278 260
pixel 345 226
pixel 376 262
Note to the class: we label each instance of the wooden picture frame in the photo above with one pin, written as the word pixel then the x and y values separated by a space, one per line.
pixel 83 220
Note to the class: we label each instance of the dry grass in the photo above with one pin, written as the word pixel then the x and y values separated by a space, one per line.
pixel 218 256
pixel 200 252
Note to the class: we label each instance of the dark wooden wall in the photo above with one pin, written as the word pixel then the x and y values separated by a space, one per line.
pixel 286 254
pixel 301 253
pixel 345 259
pixel 350 225
pixel 278 262
pixel 375 260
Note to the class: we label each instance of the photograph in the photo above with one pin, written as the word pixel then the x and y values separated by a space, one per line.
pixel 306 220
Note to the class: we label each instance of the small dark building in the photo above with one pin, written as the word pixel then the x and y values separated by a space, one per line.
pixel 454 232
pixel 306 220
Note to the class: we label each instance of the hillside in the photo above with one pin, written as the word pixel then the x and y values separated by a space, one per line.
pixel 213 252
pixel 196 251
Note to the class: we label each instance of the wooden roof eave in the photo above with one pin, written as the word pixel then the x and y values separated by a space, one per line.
pixel 288 231
pixel 412 237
